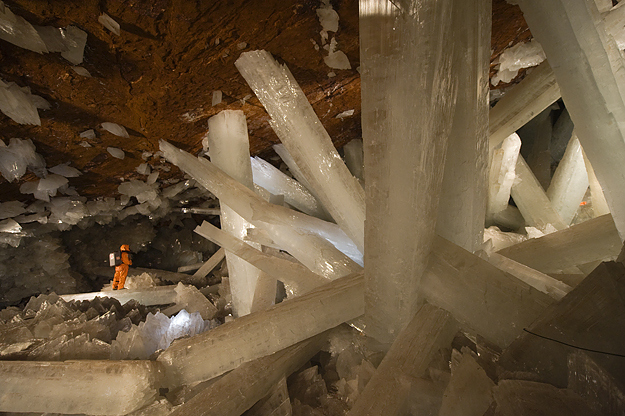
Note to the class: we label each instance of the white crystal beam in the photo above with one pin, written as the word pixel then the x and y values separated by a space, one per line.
pixel 481 297
pixel 161 295
pixel 295 194
pixel 210 264
pixel 92 387
pixel 531 199
pixel 595 239
pixel 569 183
pixel 294 231
pixel 591 75
pixel 293 274
pixel 522 103
pixel 238 390
pixel 262 333
pixel 462 206
pixel 408 96
pixel 302 134
pixel 430 330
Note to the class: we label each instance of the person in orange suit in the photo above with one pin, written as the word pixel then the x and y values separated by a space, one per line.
pixel 121 271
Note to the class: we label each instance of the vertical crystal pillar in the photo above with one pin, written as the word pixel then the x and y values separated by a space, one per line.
pixel 229 149
pixel 502 174
pixel 408 97
pixel 462 206
pixel 589 69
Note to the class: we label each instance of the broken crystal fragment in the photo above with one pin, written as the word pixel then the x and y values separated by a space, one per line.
pixel 519 56
pixel 11 209
pixel 216 97
pixel 115 129
pixel 17 104
pixel 81 71
pixel 469 391
pixel 116 152
pixel 345 114
pixel 143 169
pixel 88 134
pixel 10 226
pixel 336 59
pixel 152 177
pixel 430 330
pixel 300 131
pixel 51 183
pixel 52 37
pixel 65 170
pixel 192 300
pixel 108 22
pixel 75 41
pixel 16 30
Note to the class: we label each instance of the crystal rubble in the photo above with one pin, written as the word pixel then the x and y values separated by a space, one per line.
pixel 592 382
pixel 569 183
pixel 594 240
pixel 514 58
pixel 78 386
pixel 229 150
pixel 464 191
pixel 598 77
pixel 300 131
pixel 109 23
pixel 287 227
pixel 539 281
pixel 157 332
pixel 430 330
pixel 294 275
pixel 295 194
pixel 408 98
pixel 502 175
pixel 217 95
pixel 532 201
pixel 469 392
pixel 238 390
pixel 521 397
pixel 275 403
pixel 590 316
pixel 532 95
pixel 599 204
pixel 246 339
pixel 486 300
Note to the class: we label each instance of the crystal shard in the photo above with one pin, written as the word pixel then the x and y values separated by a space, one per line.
pixel 411 352
pixel 300 131
pixel 19 32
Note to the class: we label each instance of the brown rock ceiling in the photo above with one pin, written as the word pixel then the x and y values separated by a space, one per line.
pixel 157 78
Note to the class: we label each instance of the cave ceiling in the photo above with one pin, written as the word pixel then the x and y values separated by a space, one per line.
pixel 157 78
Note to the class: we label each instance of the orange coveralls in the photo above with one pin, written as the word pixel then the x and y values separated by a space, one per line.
pixel 121 271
